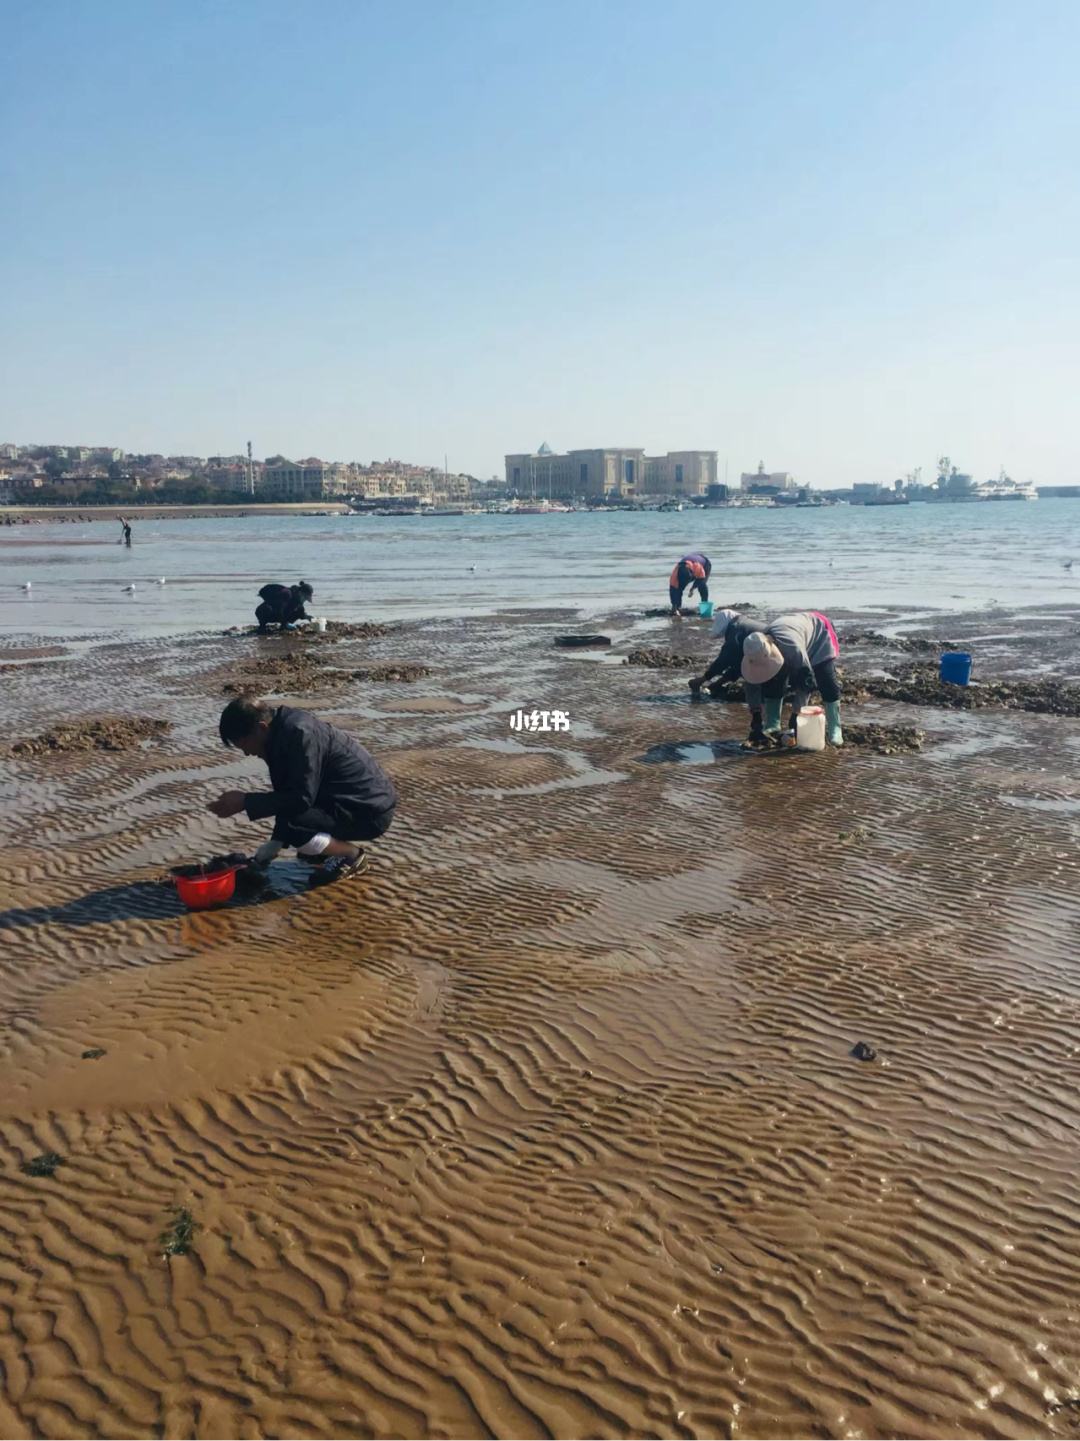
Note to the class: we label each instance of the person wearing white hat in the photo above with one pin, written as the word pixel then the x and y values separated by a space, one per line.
pixel 798 652
pixel 732 630
pixel 747 638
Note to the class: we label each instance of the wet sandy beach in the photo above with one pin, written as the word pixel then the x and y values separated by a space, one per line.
pixel 549 1125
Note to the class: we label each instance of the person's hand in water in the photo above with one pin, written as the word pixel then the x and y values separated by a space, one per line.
pixel 266 853
pixel 228 803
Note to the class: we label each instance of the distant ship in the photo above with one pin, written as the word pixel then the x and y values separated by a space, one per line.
pixel 540 507
pixel 954 485
pixel 1005 488
pixel 887 497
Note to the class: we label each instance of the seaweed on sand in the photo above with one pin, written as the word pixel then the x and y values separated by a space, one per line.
pixel 43 1165
pixel 177 1238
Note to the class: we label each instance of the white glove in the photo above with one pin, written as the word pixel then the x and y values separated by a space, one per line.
pixel 266 853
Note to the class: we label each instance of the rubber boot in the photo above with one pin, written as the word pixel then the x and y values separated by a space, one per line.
pixel 833 734
pixel 772 709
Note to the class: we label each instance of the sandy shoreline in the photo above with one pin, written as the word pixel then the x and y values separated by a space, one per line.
pixel 28 514
pixel 549 1125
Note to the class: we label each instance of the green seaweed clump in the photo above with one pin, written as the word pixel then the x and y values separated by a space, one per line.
pixel 176 1239
pixel 43 1165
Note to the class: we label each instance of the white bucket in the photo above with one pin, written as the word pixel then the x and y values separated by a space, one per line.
pixel 810 728
pixel 321 623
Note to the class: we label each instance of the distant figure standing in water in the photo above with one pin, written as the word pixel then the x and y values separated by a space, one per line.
pixel 283 605
pixel 692 570
pixel 126 524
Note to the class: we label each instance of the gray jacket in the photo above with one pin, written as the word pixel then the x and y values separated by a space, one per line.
pixel 803 639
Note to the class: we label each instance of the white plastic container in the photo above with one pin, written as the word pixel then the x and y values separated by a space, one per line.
pixel 810 728
pixel 321 623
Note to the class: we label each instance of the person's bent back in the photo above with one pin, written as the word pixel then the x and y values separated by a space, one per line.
pixel 328 791
pixel 692 570
pixel 283 605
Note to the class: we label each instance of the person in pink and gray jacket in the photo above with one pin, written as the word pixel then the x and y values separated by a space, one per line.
pixel 798 653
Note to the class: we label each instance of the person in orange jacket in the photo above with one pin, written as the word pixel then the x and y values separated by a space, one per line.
pixel 692 570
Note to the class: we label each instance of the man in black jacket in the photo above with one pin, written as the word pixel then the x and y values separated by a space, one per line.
pixel 328 791
pixel 283 605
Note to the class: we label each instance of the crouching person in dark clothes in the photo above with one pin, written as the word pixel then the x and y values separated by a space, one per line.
pixel 328 791
pixel 731 629
pixel 283 605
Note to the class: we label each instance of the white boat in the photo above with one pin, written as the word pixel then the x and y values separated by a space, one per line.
pixel 1005 488
pixel 954 485
pixel 539 507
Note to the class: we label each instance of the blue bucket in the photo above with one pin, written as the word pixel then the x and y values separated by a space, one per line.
pixel 705 609
pixel 956 667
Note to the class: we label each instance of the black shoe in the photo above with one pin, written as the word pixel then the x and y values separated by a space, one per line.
pixel 338 868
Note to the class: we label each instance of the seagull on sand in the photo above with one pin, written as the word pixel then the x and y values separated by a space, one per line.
pixel 1068 566
pixel 129 589
pixel 161 580
pixel 27 585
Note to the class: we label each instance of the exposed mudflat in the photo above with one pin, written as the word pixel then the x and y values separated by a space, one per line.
pixel 744 607
pixel 11 654
pixel 640 1088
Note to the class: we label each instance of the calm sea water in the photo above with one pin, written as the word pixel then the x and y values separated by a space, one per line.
pixel 948 556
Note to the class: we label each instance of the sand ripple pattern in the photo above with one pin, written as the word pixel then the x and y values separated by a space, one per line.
pixel 548 1126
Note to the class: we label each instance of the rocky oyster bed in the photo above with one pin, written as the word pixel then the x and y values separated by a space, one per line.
pixel 335 630
pixel 909 644
pixel 392 671
pixel 95 733
pixel 294 672
pixel 921 685
pixel 884 740
pixel 656 659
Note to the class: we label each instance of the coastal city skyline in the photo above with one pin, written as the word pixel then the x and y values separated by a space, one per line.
pixel 842 241
pixel 50 474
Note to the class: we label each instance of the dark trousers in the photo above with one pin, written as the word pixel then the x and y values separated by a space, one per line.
pixel 269 614
pixel 359 824
pixel 675 593
pixel 828 682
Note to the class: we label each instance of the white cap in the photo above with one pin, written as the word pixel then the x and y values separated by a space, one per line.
pixel 723 620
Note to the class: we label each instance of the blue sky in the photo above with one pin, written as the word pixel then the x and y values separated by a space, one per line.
pixel 841 238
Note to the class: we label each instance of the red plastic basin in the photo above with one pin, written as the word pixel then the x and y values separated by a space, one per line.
pixel 200 892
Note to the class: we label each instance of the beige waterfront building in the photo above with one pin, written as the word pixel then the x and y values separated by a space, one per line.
pixel 625 472
pixel 312 479
pixel 681 472
pixel 766 480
